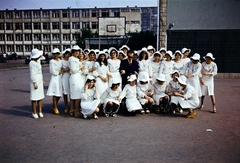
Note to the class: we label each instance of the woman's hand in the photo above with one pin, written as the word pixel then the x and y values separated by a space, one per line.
pixel 35 85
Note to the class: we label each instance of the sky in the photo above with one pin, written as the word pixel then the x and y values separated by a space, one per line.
pixel 61 4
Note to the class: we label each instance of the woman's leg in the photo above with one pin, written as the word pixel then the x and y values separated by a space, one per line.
pixel 108 109
pixel 72 103
pixel 34 107
pixel 213 103
pixel 39 103
pixel 55 100
pixel 65 98
pixel 77 106
pixel 202 101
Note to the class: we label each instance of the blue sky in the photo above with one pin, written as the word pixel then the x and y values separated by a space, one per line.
pixel 52 4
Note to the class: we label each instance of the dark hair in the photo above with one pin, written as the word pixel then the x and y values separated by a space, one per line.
pixel 35 59
pixel 130 51
pixel 104 61
pixel 67 52
pixel 141 55
pixel 89 80
pixel 112 51
pixel 156 54
pixel 113 85
pixel 142 82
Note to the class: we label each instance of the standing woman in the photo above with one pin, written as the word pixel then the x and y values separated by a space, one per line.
pixel 144 63
pixel 101 73
pixel 89 64
pixel 179 64
pixel 65 78
pixel 113 66
pixel 36 83
pixel 55 84
pixel 185 53
pixel 76 69
pixel 155 63
pixel 90 98
pixel 209 70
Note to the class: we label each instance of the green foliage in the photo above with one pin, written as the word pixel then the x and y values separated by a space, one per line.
pixel 85 33
pixel 138 40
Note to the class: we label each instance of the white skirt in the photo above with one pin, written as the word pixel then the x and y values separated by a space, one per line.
pixel 191 103
pixel 115 75
pixel 36 94
pixel 108 100
pixel 65 83
pixel 176 99
pixel 156 97
pixel 194 81
pixel 88 107
pixel 133 104
pixel 101 86
pixel 208 87
pixel 55 86
pixel 76 84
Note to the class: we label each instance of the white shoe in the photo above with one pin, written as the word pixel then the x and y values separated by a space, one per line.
pixel 41 115
pixel 173 111
pixel 84 116
pixel 35 116
pixel 180 111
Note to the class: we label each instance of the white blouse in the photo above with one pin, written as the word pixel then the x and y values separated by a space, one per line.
pixel 89 95
pixel 145 65
pixel 166 67
pixel 129 92
pixel 114 65
pixel 55 67
pixel 209 68
pixel 74 65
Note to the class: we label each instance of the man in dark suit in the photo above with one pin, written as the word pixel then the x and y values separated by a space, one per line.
pixel 128 67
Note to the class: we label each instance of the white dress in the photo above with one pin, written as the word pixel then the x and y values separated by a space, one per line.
pixel 113 68
pixel 179 66
pixel 174 86
pixel 76 79
pixel 36 76
pixel 110 95
pixel 65 78
pixel 195 70
pixel 142 90
pixel 132 103
pixel 89 101
pixel 88 65
pixel 158 91
pixel 145 67
pixel 155 70
pixel 185 60
pixel 55 84
pixel 208 87
pixel 191 100
pixel 101 70
pixel 167 68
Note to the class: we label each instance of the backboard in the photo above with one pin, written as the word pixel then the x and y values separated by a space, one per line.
pixel 112 26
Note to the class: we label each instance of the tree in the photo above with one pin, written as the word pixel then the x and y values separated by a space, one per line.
pixel 81 36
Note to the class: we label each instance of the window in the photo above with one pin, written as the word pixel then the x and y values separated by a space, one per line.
pixel 55 25
pixel 85 13
pixel 66 37
pixel 36 14
pixel 10 48
pixel 94 25
pixel 1 15
pixel 65 14
pixel 115 13
pixel 8 15
pixel 66 25
pixel 55 37
pixel 2 48
pixel 145 10
pixel 46 25
pixel 47 48
pixel 19 37
pixel 95 13
pixel 105 13
pixel 39 47
pixel 55 14
pixel 74 37
pixel 127 22
pixel 36 25
pixel 19 48
pixel 27 26
pixel 18 14
pixel 75 25
pixel 27 14
pixel 85 24
pixel 2 37
pixel 45 14
pixel 28 48
pixel 1 26
pixel 125 10
pixel 75 13
pixel 57 46
pixel 135 22
pixel 9 37
pixel 28 37
pixel 9 26
pixel 18 26
pixel 135 10
pixel 37 37
pixel 46 37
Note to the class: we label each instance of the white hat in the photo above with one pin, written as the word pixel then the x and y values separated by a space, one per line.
pixel 176 71
pixel 66 50
pixel 36 53
pixel 150 47
pixel 55 51
pixel 196 56
pixel 115 81
pixel 125 46
pixel 185 49
pixel 210 55
pixel 143 77
pixel 179 52
pixel 90 77
pixel 161 77
pixel 86 50
pixel 143 50
pixel 111 49
pixel 162 49
pixel 121 52
pixel 76 48
pixel 132 78
pixel 169 52
pixel 182 80
pixel 105 50
pixel 158 52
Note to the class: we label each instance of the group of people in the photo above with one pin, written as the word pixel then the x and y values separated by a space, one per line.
pixel 138 81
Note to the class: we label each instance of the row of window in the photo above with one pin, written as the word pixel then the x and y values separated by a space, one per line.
pixel 36 37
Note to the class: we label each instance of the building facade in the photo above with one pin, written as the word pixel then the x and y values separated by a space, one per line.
pixel 23 30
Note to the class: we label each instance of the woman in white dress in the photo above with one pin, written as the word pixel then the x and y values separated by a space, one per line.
pixel 101 73
pixel 179 64
pixel 110 99
pixel 172 87
pixel 113 66
pixel 193 72
pixel 90 99
pixel 65 78
pixel 144 63
pixel 144 92
pixel 121 55
pixel 130 92
pixel 163 52
pixel 160 97
pixel 155 63
pixel 209 70
pixel 36 83
pixel 151 50
pixel 55 84
pixel 185 53
pixel 89 63
pixel 167 66
pixel 189 99
pixel 75 80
